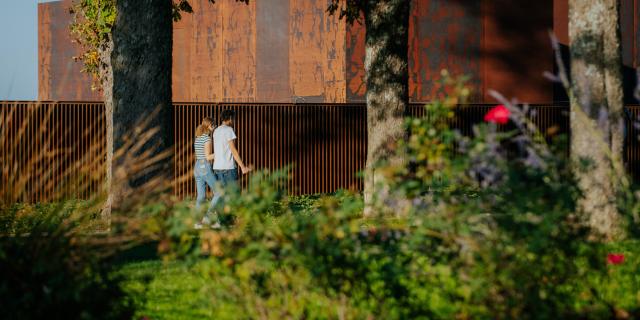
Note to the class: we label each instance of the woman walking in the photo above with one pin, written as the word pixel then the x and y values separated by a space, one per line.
pixel 202 170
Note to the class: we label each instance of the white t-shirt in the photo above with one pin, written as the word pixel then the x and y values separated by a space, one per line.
pixel 223 156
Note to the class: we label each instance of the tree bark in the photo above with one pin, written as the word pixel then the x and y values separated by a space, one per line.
pixel 106 80
pixel 596 109
pixel 386 68
pixel 141 62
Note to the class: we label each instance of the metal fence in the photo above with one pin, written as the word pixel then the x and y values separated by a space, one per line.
pixel 50 150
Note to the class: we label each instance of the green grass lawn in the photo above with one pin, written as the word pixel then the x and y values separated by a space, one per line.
pixel 164 290
pixel 167 290
pixel 176 289
pixel 179 289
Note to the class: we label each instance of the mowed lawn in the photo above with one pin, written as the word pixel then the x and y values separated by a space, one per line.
pixel 176 289
pixel 167 290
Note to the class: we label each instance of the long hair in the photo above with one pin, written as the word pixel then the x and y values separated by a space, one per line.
pixel 203 128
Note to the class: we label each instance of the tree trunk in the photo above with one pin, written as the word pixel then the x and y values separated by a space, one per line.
pixel 596 109
pixel 106 80
pixel 141 63
pixel 386 68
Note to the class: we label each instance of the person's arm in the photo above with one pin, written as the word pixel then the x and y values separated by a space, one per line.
pixel 208 153
pixel 236 156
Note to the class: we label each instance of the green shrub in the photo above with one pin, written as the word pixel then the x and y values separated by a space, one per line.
pixel 475 227
pixel 51 270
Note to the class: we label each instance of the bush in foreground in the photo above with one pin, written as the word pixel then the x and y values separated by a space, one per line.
pixel 481 227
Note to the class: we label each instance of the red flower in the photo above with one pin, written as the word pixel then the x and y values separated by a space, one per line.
pixel 615 258
pixel 498 114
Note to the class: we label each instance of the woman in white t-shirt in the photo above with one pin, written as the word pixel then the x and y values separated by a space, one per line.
pixel 202 170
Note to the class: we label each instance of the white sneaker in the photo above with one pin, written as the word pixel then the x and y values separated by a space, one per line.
pixel 204 223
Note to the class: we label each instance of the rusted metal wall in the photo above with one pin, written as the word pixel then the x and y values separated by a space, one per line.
pixel 323 143
pixel 284 51
pixel 59 76
pixel 442 35
pixel 54 150
pixel 516 49
pixel 629 14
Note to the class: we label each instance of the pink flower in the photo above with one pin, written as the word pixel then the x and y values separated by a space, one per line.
pixel 498 114
pixel 615 258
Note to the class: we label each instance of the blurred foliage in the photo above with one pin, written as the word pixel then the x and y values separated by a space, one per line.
pixel 473 227
pixel 52 269
pixel 478 226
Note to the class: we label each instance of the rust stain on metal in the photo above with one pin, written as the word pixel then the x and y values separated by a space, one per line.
pixel 442 35
pixel 44 52
pixel 206 51
pixel 305 51
pixel 239 56
pixel 333 50
pixel 66 82
pixel 355 76
pixel 181 64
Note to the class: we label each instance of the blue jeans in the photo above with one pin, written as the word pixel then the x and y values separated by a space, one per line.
pixel 226 177
pixel 204 176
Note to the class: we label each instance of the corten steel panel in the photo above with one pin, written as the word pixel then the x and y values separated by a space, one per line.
pixel 239 51
pixel 222 54
pixel 636 28
pixel 205 44
pixel 44 52
pixel 65 81
pixel 305 49
pixel 354 59
pixel 181 64
pixel 333 62
pixel 316 53
pixel 629 14
pixel 561 21
pixel 443 34
pixel 628 11
pixel 272 51
pixel 516 49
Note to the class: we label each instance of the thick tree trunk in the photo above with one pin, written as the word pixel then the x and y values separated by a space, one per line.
pixel 386 68
pixel 141 63
pixel 596 108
